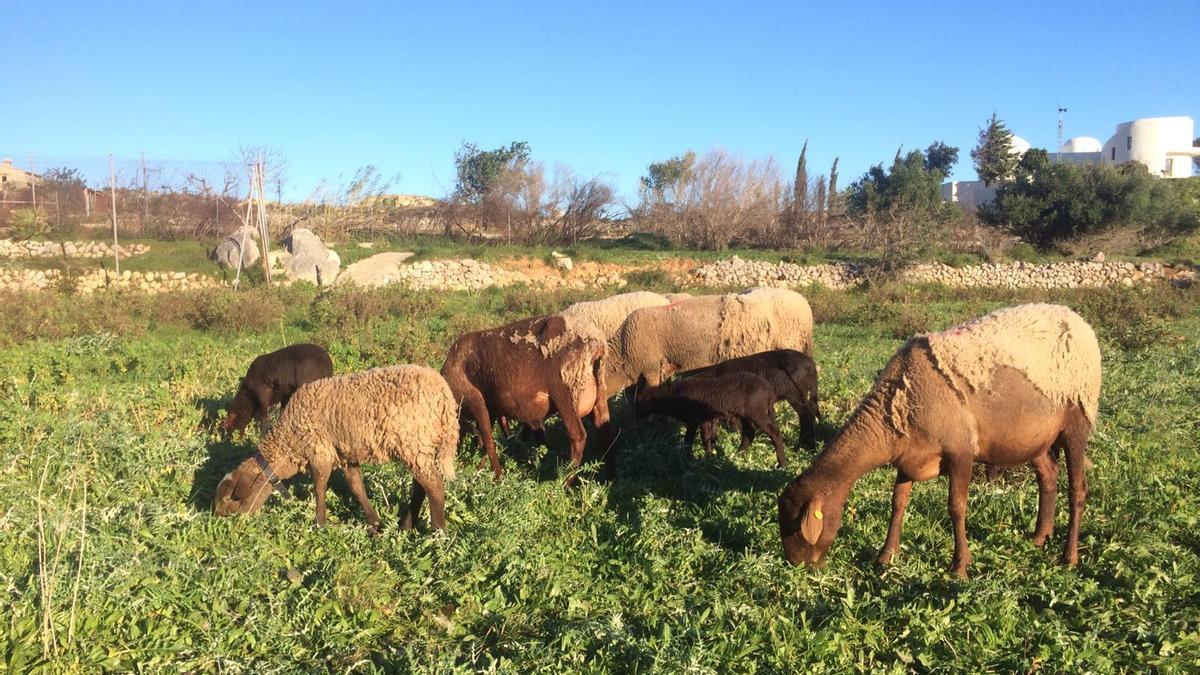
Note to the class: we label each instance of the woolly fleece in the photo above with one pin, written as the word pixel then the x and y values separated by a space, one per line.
pixel 609 313
pixel 706 330
pixel 1052 345
pixel 398 412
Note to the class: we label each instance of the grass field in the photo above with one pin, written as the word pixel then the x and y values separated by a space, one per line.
pixel 110 557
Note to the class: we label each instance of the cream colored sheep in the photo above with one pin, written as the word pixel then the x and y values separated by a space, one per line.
pixel 399 412
pixel 1016 386
pixel 654 343
pixel 609 313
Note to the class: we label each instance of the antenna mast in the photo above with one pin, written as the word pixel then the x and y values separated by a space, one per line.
pixel 1058 155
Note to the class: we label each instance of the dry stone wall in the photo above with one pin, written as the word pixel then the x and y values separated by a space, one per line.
pixel 1071 274
pixel 150 282
pixel 72 249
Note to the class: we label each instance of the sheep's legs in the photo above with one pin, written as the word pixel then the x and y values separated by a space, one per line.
pixel 605 441
pixel 808 428
pixel 437 506
pixel 959 472
pixel 1045 467
pixel 320 485
pixel 767 424
pixel 354 478
pixel 900 495
pixel 474 404
pixel 1075 442
pixel 689 437
pixel 708 436
pixel 747 435
pixel 414 506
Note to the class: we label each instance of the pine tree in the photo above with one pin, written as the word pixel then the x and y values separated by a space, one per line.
pixel 993 156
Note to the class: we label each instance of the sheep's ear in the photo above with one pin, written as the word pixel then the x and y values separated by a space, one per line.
pixel 813 523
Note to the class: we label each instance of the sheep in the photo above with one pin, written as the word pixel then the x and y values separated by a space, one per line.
pixel 702 402
pixel 273 378
pixel 655 342
pixel 1018 385
pixel 607 314
pixel 398 412
pixel 527 370
pixel 792 376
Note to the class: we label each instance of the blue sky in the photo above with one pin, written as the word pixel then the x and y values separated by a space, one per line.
pixel 602 87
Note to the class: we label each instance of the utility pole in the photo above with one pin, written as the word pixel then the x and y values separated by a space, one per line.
pixel 1058 155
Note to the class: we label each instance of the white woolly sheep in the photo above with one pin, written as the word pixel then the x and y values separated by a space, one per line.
pixel 655 342
pixel 1016 386
pixel 399 412
pixel 607 314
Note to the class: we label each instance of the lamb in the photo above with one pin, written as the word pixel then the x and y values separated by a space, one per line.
pixel 398 412
pixel 703 402
pixel 273 378
pixel 1019 385
pixel 655 342
pixel 527 370
pixel 792 376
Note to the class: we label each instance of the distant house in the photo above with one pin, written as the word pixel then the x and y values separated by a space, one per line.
pixel 1163 144
pixel 14 178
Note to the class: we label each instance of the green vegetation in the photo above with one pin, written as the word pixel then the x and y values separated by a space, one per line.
pixel 1050 202
pixel 110 557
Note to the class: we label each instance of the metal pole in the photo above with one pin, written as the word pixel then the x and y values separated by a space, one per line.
pixel 33 183
pixel 1058 155
pixel 112 186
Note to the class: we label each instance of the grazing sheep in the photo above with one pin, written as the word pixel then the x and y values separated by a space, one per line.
pixel 656 342
pixel 1016 386
pixel 273 378
pixel 609 313
pixel 703 402
pixel 791 374
pixel 399 412
pixel 527 370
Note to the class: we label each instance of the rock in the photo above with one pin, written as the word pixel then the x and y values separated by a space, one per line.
pixel 303 241
pixel 564 263
pixel 376 270
pixel 1099 257
pixel 228 251
pixel 319 268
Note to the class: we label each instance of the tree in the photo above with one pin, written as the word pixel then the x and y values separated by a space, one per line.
pixel 664 180
pixel 940 158
pixel 478 170
pixel 819 205
pixel 993 156
pixel 1196 160
pixel 832 206
pixel 913 186
pixel 1050 202
pixel 275 165
pixel 800 186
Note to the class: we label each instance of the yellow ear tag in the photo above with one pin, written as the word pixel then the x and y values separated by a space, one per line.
pixel 818 515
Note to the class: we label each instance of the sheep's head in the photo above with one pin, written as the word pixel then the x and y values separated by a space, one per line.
pixel 243 490
pixel 239 413
pixel 809 517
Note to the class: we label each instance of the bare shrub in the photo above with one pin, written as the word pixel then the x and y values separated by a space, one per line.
pixel 713 201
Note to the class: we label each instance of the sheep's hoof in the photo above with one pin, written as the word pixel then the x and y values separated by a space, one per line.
pixel 958 568
pixel 1069 560
pixel 885 557
pixel 1039 540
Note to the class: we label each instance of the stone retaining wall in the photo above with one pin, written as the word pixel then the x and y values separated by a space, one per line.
pixel 150 282
pixel 738 272
pixel 72 249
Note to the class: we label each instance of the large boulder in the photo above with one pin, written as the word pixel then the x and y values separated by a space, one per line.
pixel 310 260
pixel 377 270
pixel 229 249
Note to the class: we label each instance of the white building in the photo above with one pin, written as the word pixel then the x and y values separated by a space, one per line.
pixel 1163 144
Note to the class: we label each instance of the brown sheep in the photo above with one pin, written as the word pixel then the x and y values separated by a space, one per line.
pixel 273 378
pixel 1016 386
pixel 528 370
